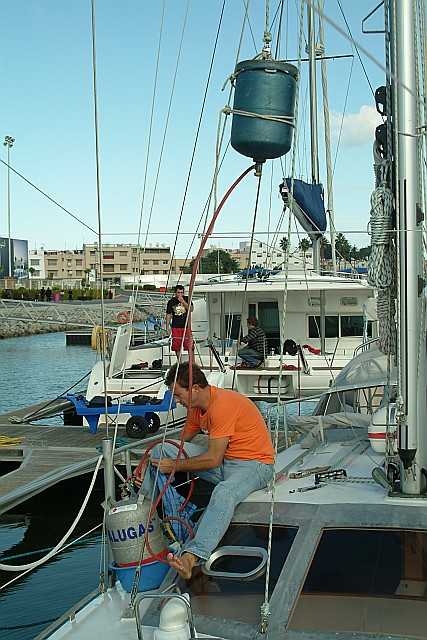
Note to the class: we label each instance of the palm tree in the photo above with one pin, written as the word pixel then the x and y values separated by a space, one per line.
pixel 284 244
pixel 342 247
pixel 304 246
pixel 87 272
pixel 324 244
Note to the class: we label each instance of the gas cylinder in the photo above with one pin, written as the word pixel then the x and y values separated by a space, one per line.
pixel 126 523
pixel 263 88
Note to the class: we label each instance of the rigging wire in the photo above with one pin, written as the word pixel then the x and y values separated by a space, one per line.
pixel 202 111
pixel 43 193
pixel 150 133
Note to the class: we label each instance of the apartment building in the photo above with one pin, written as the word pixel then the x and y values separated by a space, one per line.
pixel 127 259
pixel 56 265
pixel 262 254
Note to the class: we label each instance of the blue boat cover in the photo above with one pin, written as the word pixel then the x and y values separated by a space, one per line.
pixel 309 198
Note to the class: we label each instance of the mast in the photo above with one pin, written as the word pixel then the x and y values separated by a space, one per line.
pixel 411 402
pixel 313 117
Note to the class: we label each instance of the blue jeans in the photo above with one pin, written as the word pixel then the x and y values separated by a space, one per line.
pixel 250 357
pixel 234 480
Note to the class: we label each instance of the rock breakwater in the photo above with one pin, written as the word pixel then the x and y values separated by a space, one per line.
pixel 18 328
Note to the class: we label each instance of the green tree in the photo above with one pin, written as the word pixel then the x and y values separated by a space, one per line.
pixel 325 250
pixel 304 246
pixel 343 247
pixel 217 261
pixel 363 253
pixel 284 244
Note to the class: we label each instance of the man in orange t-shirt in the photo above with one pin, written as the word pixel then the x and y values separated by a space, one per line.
pixel 238 459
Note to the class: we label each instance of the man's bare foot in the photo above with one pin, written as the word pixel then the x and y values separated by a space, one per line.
pixel 183 564
pixel 139 477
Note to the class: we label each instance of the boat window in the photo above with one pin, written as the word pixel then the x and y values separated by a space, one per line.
pixel 248 596
pixel 233 326
pixel 370 580
pixel 338 326
pixel 353 326
pixel 331 326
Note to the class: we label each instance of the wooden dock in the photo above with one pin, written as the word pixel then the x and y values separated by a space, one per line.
pixel 48 454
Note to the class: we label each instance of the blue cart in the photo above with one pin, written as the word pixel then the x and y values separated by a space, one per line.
pixel 144 417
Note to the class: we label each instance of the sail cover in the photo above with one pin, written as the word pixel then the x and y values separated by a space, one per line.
pixel 308 207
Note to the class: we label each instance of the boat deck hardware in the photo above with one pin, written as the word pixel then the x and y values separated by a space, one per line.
pixel 329 475
pixel 236 551
pixel 304 473
pixel 311 487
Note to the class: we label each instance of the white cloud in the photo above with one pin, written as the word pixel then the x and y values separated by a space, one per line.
pixel 356 128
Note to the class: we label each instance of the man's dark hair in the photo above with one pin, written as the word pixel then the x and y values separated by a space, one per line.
pixel 253 321
pixel 179 287
pixel 182 377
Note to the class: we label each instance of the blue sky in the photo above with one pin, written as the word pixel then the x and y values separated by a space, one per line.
pixel 48 107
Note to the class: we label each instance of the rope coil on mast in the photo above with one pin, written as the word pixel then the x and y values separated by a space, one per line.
pixel 381 268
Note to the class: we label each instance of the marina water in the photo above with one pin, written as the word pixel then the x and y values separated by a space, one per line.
pixel 36 369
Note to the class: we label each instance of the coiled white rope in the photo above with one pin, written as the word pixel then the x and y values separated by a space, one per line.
pixel 381 268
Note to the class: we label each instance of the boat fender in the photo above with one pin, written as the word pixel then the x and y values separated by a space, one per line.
pixel 98 337
pixel 94 337
pixel 383 422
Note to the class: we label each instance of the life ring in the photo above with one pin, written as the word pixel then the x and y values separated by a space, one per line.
pixel 122 317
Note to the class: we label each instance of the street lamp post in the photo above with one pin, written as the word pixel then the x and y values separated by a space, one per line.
pixel 8 142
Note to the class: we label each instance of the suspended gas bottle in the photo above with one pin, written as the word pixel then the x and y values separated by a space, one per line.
pixel 263 87
pixel 126 523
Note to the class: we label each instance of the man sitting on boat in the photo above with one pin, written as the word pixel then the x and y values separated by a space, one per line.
pixel 256 349
pixel 238 458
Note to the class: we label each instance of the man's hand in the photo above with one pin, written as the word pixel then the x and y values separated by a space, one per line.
pixel 165 465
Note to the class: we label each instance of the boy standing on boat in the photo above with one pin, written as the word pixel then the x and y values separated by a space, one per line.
pixel 177 311
pixel 256 349
pixel 238 458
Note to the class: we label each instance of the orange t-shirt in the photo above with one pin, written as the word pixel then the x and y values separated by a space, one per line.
pixel 230 414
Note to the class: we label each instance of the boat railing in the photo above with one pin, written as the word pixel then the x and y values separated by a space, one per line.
pixel 283 404
pixel 364 346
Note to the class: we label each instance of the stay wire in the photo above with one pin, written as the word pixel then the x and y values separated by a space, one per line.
pixel 202 111
pixel 47 196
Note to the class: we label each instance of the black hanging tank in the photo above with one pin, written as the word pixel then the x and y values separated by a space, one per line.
pixel 265 88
